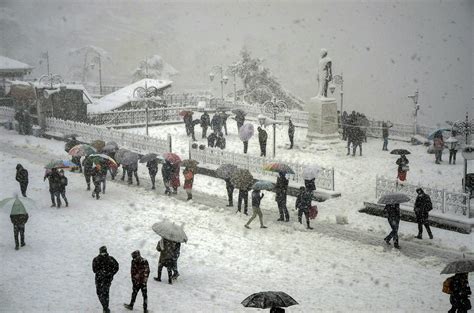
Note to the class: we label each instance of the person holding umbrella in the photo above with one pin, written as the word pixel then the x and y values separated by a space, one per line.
pixel 88 166
pixel 54 186
pixel 104 267
pixel 77 158
pixel 262 140
pixel 273 300
pixel 97 180
pixel 256 199
pixel 63 184
pixel 392 207
pixel 18 217
pixel 132 170
pixel 175 182
pixel 205 122
pixel 303 204
pixel 243 197
pixel 461 291
pixel 188 174
pixel 281 189
pixel 403 168
pixel 166 173
pixel 139 272
pixel 167 249
pixel 22 178
pixel 423 206
pixel 152 166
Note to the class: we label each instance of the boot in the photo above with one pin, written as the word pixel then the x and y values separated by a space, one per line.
pixel 247 226
pixel 395 244
pixel 88 186
pixel 190 197
pixel 128 306
pixel 17 248
pixel 67 204
pixel 307 225
pixel 280 219
pixel 263 226
pixel 387 241
pixel 53 205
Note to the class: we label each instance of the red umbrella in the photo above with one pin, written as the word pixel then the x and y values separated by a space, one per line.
pixel 171 157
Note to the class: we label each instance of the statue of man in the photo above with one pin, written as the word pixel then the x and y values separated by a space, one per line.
pixel 325 74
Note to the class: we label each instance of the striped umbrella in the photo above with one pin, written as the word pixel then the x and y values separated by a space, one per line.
pixel 278 167
pixel 82 150
pixel 171 157
pixel 104 159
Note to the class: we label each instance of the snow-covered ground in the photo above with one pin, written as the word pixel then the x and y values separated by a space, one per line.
pixel 222 262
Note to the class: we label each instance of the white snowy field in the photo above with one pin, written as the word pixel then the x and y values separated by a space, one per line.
pixel 222 262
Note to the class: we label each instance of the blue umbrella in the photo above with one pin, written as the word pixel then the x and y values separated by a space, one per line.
pixel 263 185
pixel 433 133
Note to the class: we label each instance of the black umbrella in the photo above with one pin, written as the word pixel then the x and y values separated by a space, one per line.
pixel 460 266
pixel 226 171
pixel 269 299
pixel 400 151
pixel 148 157
pixel 242 179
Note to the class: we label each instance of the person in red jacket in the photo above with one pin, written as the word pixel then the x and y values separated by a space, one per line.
pixel 139 270
pixel 188 174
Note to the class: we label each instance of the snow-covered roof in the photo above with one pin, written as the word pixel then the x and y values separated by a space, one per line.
pixel 124 95
pixel 9 65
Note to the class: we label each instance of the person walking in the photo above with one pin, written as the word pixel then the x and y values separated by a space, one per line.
pixel 188 120
pixel 393 217
pixel 357 139
pixel 63 184
pixel 240 119
pixel 256 199
pixel 97 180
pixel 166 173
pixel 303 204
pixel 281 189
pixel 54 187
pixel 230 192
pixel 139 272
pixel 205 122
pixel 88 166
pixel 19 117
pixel 166 248
pixel 423 206
pixel 438 145
pixel 175 257
pixel 216 123
pixel 243 197
pixel 403 168
pixel 152 166
pixel 175 182
pixel 262 140
pixel 22 178
pixel 224 117
pixel 453 149
pixel 461 291
pixel 291 132
pixel 19 217
pixel 344 120
pixel 132 170
pixel 385 127
pixel 188 174
pixel 104 267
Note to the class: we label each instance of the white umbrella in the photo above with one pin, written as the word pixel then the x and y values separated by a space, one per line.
pixel 170 231
pixel 310 172
pixel 9 202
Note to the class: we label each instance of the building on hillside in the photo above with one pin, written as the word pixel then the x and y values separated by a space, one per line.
pixel 11 70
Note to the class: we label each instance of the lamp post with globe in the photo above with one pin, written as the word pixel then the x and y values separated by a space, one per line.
pixel 223 81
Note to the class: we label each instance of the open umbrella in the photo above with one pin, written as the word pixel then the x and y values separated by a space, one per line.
pixel 190 163
pixel 82 150
pixel 400 151
pixel 110 146
pixel 98 144
pixel 103 159
pixel 148 157
pixel 17 205
pixel 129 158
pixel 246 132
pixel 269 299
pixel 310 172
pixel 119 154
pixel 433 133
pixel 459 266
pixel 278 168
pixel 185 112
pixel 263 185
pixel 242 179
pixel 393 198
pixel 225 171
pixel 171 157
pixel 60 164
pixel 170 231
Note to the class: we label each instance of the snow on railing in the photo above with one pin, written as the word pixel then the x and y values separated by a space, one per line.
pixel 87 132
pixel 444 201
pixel 254 164
pixel 7 113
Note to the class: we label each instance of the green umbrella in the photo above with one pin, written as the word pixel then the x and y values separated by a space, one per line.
pixel 17 205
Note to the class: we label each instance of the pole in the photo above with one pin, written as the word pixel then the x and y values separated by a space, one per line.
pixel 235 90
pixel 146 117
pixel 222 85
pixel 465 176
pixel 47 64
pixel 274 131
pixel 100 76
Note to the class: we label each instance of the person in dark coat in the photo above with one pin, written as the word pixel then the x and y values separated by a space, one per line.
pixel 19 221
pixel 303 204
pixel 246 146
pixel 205 123
pixel 103 175
pixel 54 187
pixel 22 178
pixel 423 206
pixel 344 120
pixel 132 170
pixel 167 250
pixel 191 128
pixel 63 184
pixel 459 299
pixel 19 117
pixel 216 123
pixel 139 272
pixel 112 169
pixel 385 127
pixel 75 159
pixel 97 180
pixel 402 163
pixel 243 197
pixel 256 199
pixel 393 216
pixel 188 120
pixel 291 132
pixel 152 171
pixel 310 184
pixel 262 140
pixel 357 139
pixel 167 172
pixel 211 140
pixel 240 119
pixel 224 117
pixel 175 257
pixel 88 166
pixel 104 267
pixel 281 189
pixel 230 192
pixel 220 141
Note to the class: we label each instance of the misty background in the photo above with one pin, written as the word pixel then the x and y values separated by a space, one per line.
pixel 385 49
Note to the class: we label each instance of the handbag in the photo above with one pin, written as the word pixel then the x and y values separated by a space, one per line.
pixel 313 212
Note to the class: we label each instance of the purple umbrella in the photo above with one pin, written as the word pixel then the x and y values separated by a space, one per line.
pixel 246 132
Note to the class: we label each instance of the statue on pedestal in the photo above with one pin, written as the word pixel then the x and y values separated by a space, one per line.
pixel 324 74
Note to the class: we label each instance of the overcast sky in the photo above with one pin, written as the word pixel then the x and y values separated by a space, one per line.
pixel 385 49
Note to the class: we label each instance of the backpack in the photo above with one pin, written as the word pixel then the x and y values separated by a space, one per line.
pixel 448 285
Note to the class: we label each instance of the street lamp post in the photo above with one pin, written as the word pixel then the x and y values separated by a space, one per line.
pixel 414 97
pixel 99 61
pixel 274 107
pixel 144 94
pixel 338 80
pixel 466 128
pixel 223 81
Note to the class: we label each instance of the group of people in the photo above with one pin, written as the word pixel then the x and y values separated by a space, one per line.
pixel 105 267
pixel 354 130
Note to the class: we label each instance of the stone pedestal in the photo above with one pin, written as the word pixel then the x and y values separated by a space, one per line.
pixel 322 122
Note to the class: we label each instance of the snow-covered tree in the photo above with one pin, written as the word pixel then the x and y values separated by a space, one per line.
pixel 154 67
pixel 89 61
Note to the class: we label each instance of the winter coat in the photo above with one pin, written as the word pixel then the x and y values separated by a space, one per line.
pixel 281 188
pixel 401 161
pixel 97 176
pixel 166 171
pixel 175 183
pixel 19 219
pixel 88 166
pixel 133 167
pixel 54 181
pixel 422 206
pixel 220 142
pixel 303 200
pixel 211 140
pixel 438 144
pixel 63 182
pixel 205 120
pixel 216 121
pixel 167 249
pixel 188 178
pixel 393 212
pixel 256 199
pixel 105 267
pixel 21 174
pixel 139 271
pixel 291 128
pixel 461 292
pixel 152 166
pixel 262 136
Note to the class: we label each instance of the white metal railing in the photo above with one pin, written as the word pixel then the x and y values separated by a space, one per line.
pixel 7 113
pixel 443 200
pixel 87 132
pixel 254 164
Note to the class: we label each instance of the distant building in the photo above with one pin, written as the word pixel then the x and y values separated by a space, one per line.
pixel 11 70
